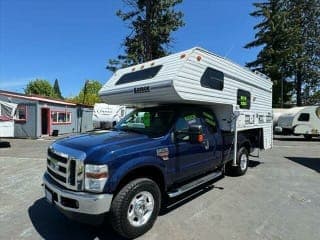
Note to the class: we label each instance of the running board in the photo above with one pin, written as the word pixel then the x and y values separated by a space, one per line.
pixel 178 191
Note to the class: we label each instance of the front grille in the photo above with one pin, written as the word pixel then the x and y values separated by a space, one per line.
pixel 65 170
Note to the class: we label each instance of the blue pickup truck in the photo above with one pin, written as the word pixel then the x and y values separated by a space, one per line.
pixel 153 154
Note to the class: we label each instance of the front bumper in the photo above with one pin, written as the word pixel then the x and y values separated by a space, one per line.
pixel 74 204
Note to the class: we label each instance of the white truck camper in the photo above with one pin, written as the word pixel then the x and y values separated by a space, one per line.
pixel 241 99
pixel 300 121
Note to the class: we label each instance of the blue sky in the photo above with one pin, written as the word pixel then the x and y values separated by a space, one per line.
pixel 72 40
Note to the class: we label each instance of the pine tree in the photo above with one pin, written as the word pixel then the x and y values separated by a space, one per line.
pixel 272 35
pixel 151 23
pixel 56 89
pixel 289 33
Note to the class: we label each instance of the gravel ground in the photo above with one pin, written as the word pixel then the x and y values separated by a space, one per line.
pixel 278 198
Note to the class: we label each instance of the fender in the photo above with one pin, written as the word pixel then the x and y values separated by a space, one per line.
pixel 132 165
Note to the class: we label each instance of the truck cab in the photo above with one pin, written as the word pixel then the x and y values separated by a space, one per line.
pixel 153 153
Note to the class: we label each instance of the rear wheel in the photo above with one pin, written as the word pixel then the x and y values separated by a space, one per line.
pixel 135 208
pixel 242 163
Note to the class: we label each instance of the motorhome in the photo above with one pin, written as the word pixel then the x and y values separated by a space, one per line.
pixel 300 121
pixel 106 116
pixel 198 116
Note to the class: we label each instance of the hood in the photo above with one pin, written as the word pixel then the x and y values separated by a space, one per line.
pixel 108 141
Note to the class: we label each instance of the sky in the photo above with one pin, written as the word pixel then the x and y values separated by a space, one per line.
pixel 72 40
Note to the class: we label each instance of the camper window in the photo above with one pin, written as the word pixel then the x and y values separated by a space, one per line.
pixel 304 117
pixel 318 112
pixel 212 78
pixel 139 75
pixel 244 99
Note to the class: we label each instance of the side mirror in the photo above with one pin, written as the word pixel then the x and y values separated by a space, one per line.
pixel 195 132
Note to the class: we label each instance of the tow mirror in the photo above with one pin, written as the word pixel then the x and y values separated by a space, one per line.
pixel 195 132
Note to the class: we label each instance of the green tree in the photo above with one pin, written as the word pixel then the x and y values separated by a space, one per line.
pixel 151 23
pixel 304 21
pixel 39 87
pixel 272 34
pixel 56 89
pixel 89 93
pixel 289 37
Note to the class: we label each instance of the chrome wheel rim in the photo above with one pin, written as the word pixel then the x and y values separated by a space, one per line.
pixel 140 209
pixel 243 162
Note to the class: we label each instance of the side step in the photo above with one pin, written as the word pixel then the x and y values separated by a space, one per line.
pixel 178 191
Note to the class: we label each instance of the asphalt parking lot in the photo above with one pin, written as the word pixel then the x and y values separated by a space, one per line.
pixel 278 198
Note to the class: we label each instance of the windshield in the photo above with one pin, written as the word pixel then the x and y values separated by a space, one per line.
pixel 153 122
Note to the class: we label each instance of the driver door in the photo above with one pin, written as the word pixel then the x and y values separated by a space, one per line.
pixel 192 158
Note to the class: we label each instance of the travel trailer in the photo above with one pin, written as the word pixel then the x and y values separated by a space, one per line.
pixel 198 116
pixel 106 116
pixel 300 121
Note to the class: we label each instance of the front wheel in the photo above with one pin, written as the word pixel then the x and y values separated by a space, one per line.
pixel 242 163
pixel 135 208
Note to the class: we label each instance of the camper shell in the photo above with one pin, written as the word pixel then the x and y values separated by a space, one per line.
pixel 300 121
pixel 198 76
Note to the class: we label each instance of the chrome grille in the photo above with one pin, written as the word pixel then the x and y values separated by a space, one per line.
pixel 65 169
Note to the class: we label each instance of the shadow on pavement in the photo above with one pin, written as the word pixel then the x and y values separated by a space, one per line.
pixel 313 163
pixel 51 224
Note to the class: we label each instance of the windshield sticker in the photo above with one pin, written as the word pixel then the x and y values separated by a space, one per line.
pixel 207 115
pixel 190 117
pixel 210 122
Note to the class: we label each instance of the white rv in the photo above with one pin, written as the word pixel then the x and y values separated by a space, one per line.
pixel 106 115
pixel 300 121
pixel 200 77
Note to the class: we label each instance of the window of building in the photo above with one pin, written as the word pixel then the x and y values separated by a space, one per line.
pixel 139 75
pixel 304 117
pixel 244 99
pixel 213 79
pixel 21 113
pixel 318 112
pixel 60 117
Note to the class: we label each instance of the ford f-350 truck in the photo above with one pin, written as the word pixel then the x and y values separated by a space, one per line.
pixel 198 115
pixel 129 170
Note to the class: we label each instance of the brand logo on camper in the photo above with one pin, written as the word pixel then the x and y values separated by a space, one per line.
pixel 141 89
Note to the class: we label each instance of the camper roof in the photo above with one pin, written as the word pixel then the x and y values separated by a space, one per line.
pixel 178 78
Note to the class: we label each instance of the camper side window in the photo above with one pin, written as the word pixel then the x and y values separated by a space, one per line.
pixel 318 112
pixel 304 117
pixel 244 99
pixel 213 79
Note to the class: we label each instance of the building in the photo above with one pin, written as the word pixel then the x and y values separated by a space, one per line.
pixel 38 116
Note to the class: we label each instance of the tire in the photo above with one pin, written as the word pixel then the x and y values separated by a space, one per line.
pixel 307 137
pixel 242 165
pixel 129 213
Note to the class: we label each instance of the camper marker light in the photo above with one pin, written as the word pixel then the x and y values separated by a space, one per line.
pixel 142 67
pixel 198 58
pixel 182 55
pixel 95 177
pixel 152 64
pixel 133 69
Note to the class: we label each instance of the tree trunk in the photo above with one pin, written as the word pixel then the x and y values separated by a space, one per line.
pixel 298 87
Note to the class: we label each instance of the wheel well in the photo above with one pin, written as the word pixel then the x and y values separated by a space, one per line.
pixel 150 172
pixel 252 138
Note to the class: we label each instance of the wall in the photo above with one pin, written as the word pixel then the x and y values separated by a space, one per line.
pixel 24 129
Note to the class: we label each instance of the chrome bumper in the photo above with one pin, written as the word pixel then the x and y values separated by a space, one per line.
pixel 77 202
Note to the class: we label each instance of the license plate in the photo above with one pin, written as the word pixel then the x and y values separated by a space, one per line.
pixel 48 196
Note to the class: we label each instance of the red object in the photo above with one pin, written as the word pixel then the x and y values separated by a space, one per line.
pixel 200 138
pixel 5 118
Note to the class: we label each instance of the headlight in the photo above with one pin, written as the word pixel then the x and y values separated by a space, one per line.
pixel 96 177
